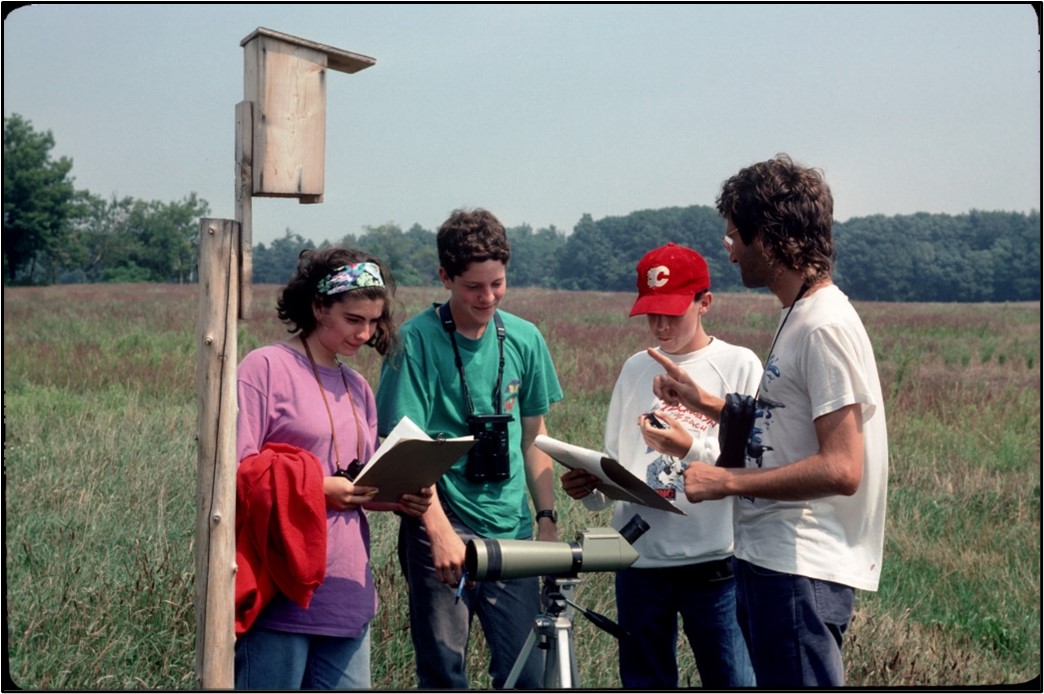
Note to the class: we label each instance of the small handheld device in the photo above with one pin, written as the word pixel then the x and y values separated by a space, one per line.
pixel 655 421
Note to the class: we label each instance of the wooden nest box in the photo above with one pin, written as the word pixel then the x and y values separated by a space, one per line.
pixel 285 81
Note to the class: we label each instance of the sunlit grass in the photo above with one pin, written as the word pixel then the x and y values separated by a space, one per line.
pixel 99 462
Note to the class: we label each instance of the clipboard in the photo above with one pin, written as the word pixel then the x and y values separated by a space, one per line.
pixel 409 460
pixel 615 481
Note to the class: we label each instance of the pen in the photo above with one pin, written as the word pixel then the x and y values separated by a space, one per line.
pixel 460 586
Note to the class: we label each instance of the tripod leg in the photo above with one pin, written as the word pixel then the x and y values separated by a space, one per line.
pixel 520 661
pixel 552 671
pixel 566 663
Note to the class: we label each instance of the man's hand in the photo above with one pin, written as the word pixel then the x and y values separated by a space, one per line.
pixel 676 387
pixel 705 482
pixel 447 553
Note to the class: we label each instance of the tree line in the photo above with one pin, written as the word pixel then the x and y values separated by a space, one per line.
pixel 974 257
pixel 56 234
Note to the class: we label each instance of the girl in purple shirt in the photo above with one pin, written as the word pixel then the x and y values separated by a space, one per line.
pixel 298 392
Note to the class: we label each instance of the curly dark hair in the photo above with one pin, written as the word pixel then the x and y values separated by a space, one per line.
pixel 471 236
pixel 790 206
pixel 301 295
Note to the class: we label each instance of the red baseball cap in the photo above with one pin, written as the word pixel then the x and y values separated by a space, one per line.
pixel 669 278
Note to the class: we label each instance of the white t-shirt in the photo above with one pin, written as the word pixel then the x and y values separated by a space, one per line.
pixel 705 533
pixel 822 361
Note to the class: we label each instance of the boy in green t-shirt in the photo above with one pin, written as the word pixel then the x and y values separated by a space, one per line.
pixel 467 368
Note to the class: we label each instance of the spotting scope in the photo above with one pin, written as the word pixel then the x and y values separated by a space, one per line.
pixel 596 549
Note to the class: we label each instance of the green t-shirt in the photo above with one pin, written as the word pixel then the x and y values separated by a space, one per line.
pixel 423 383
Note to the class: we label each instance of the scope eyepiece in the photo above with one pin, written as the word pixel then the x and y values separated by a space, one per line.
pixel 634 529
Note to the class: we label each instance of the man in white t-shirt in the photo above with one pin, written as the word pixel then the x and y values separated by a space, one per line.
pixel 810 502
pixel 685 561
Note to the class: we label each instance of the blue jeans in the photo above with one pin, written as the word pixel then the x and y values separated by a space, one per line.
pixel 648 602
pixel 440 626
pixel 268 659
pixel 796 626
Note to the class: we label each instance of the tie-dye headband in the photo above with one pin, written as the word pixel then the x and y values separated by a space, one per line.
pixel 349 277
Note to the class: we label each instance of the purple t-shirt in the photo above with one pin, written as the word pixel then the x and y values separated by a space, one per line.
pixel 279 400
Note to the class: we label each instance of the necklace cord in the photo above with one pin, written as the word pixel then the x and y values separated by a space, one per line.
pixel 329 412
pixel 804 288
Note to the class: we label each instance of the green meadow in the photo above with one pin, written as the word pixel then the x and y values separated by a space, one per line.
pixel 100 459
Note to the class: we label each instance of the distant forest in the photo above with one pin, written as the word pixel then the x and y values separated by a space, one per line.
pixel 974 257
pixel 55 234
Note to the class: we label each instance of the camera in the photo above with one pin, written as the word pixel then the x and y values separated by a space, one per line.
pixel 734 429
pixel 350 472
pixel 488 459
pixel 596 549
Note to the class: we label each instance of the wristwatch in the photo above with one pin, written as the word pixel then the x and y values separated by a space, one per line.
pixel 546 513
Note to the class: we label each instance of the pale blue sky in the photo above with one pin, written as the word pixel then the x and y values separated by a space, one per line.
pixel 542 113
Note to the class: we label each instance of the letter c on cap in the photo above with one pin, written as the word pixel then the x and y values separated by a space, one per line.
pixel 658 276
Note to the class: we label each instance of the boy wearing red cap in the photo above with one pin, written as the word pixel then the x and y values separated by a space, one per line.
pixel 685 561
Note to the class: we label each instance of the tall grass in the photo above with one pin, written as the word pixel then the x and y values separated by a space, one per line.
pixel 99 484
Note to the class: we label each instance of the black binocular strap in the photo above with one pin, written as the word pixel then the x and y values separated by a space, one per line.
pixel 451 329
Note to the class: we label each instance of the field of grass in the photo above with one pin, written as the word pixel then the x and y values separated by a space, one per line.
pixel 100 460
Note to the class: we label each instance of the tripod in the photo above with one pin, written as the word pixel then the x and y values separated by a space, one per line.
pixel 553 631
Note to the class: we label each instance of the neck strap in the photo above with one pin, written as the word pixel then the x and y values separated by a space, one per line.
pixel 801 293
pixel 451 328
pixel 329 412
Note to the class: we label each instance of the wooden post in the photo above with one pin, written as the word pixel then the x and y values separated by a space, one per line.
pixel 244 210
pixel 216 469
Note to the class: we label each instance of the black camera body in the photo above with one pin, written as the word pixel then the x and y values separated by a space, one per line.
pixel 734 429
pixel 489 459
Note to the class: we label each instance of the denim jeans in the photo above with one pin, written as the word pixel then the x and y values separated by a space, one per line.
pixel 796 626
pixel 268 659
pixel 648 602
pixel 440 626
